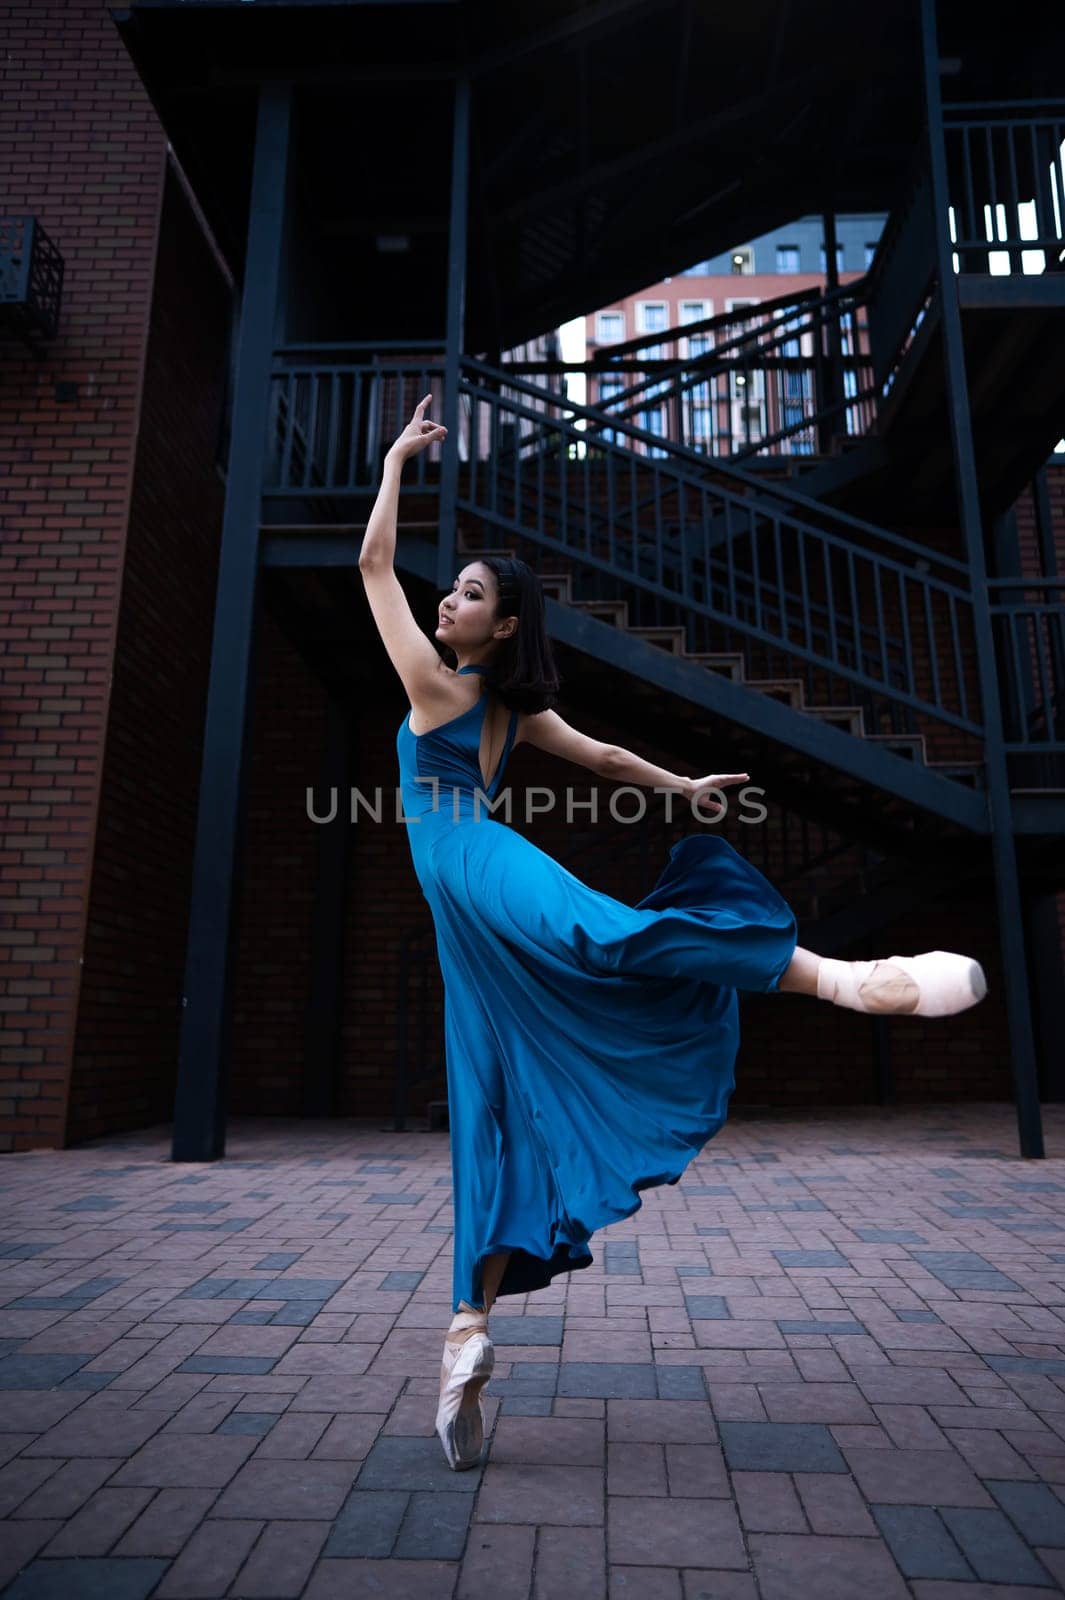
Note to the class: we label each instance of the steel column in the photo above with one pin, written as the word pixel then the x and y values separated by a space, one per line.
pixel 1004 855
pixel 456 330
pixel 203 1063
pixel 1043 933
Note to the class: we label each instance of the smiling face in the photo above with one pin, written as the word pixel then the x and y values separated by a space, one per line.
pixel 466 617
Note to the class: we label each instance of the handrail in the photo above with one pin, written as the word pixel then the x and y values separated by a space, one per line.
pixel 701 580
pixel 764 493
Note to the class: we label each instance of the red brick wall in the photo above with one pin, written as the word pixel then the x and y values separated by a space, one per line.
pixel 130 1008
pixel 276 893
pixel 80 148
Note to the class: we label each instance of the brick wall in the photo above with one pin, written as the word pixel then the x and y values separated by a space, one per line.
pixel 130 1008
pixel 81 149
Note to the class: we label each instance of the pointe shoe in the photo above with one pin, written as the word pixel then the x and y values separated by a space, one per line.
pixel 460 1419
pixel 939 983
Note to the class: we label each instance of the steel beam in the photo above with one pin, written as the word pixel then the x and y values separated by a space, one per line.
pixel 1004 855
pixel 204 1050
pixel 456 330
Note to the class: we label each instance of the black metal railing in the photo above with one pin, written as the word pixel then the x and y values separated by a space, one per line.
pixel 1006 176
pixel 1028 622
pixel 334 411
pixel 896 615
pixel 779 377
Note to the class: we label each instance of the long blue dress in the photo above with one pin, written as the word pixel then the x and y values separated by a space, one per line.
pixel 590 1045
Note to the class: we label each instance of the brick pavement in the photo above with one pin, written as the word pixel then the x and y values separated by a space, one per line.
pixel 829 1363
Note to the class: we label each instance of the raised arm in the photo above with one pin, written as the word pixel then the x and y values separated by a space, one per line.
pixel 548 731
pixel 411 652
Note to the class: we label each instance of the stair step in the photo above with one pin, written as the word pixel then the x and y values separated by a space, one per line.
pixel 908 745
pixel 557 586
pixel 849 717
pixel 789 690
pixel 613 611
pixel 727 663
pixel 671 639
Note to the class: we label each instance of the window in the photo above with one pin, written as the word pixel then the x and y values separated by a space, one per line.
pixel 695 310
pixel 699 344
pixel 824 257
pixel 610 327
pixel 608 388
pixel 870 253
pixel 787 258
pixel 742 259
pixel 653 420
pixel 651 315
pixel 701 421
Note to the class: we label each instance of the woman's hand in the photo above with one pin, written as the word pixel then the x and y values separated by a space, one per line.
pixel 696 790
pixel 417 434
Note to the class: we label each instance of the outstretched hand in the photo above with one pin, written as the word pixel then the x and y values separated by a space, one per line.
pixel 698 787
pixel 418 433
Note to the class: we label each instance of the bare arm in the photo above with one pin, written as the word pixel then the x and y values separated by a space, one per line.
pixel 548 731
pixel 626 767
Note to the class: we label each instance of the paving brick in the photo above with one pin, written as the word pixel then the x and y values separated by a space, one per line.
pixel 99 1523
pixel 498 1563
pixel 367 1524
pixel 398 1580
pixel 210 1560
pixel 833 1504
pixel 768 1503
pixel 659 1422
pixel 920 1543
pixel 166 1523
pixel 780 1447
pixel 788 1565
pixel 606 1380
pixel 815 1402
pixel 697 1470
pixel 989 1454
pixel 643 1583
pixel 88 1580
pixel 675 1533
pixel 435 1527
pixel 1035 1509
pixel 549 1441
pixel 909 1477
pixel 633 1469
pixel 993 1548
pixel 570 1561
pixel 567 1496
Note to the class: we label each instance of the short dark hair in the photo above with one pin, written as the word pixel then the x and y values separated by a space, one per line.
pixel 522 669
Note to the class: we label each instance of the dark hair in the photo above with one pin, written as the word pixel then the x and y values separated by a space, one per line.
pixel 522 670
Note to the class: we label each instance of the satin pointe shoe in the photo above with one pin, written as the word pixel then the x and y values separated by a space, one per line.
pixel 467 1367
pixel 939 983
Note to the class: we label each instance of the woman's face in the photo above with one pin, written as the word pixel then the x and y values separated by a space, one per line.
pixel 466 616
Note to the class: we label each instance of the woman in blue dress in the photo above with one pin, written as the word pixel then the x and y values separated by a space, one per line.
pixel 590 1045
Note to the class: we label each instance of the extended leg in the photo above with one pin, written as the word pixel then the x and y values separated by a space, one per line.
pixel 936 984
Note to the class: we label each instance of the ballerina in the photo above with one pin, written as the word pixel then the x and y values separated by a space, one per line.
pixel 590 1045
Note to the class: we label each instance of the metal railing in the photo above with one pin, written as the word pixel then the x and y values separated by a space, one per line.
pixel 850 600
pixel 334 409
pixel 1006 175
pixel 1028 622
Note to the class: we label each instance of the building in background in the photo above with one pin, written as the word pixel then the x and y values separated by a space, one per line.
pixel 738 404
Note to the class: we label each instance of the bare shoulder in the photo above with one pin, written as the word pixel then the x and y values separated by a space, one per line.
pixel 546 730
pixel 440 695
